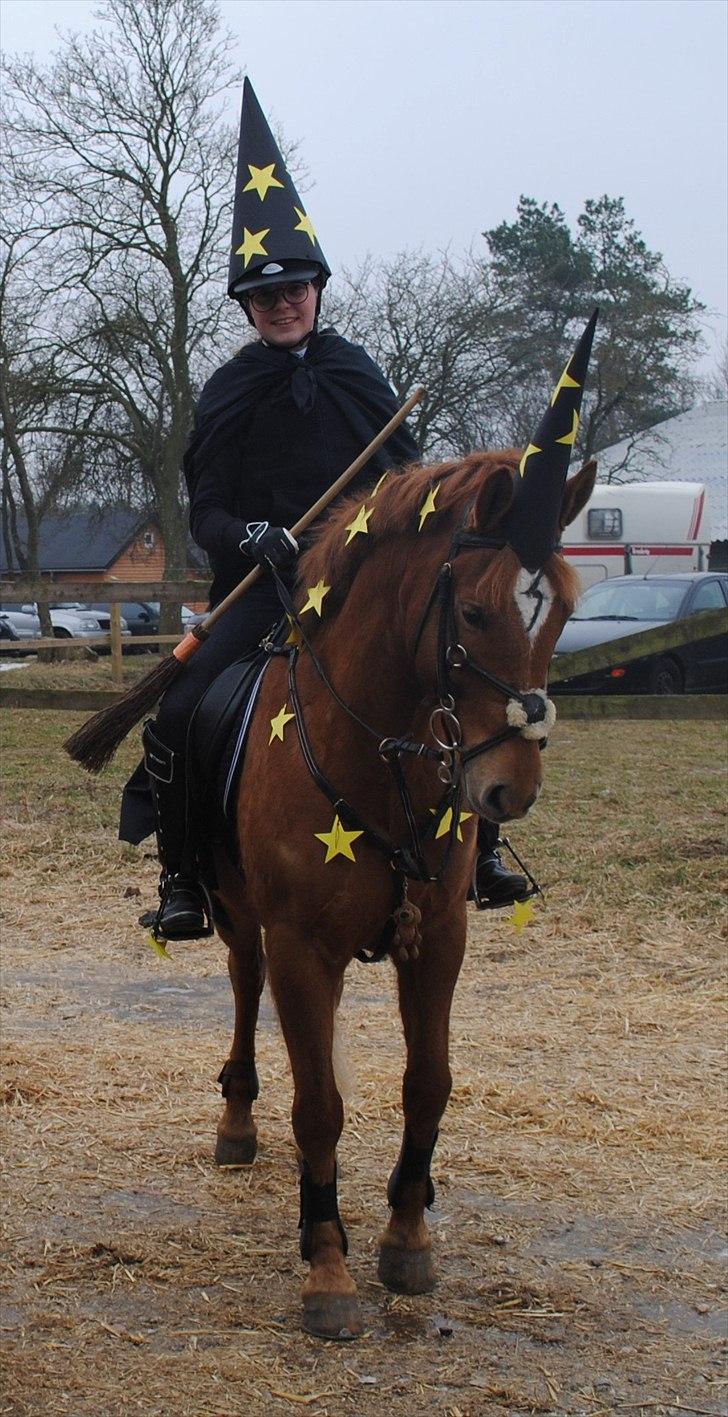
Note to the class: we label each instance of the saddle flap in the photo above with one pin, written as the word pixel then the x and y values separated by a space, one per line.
pixel 216 744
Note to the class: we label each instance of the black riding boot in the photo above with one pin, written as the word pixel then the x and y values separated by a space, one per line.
pixel 184 906
pixel 493 884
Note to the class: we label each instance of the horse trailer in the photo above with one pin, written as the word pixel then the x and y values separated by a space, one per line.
pixel 640 527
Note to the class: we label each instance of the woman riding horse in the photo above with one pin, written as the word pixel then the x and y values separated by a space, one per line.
pixel 274 427
pixel 412 703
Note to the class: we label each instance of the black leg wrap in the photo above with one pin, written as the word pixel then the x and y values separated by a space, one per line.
pixel 413 1165
pixel 318 1203
pixel 245 1072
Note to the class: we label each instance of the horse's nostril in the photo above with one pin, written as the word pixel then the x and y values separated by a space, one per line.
pixel 494 799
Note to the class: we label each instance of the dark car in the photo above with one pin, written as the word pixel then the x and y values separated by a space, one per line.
pixel 142 618
pixel 625 605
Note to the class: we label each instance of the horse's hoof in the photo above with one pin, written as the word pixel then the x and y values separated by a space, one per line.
pixel 239 1152
pixel 332 1316
pixel 406 1271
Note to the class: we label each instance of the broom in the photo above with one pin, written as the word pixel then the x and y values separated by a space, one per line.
pixel 96 741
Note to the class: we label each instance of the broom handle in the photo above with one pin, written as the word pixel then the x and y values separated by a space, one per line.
pixel 202 630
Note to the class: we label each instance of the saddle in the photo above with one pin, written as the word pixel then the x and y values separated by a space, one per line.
pixel 216 742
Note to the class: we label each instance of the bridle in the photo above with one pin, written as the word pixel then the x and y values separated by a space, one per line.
pixel 528 713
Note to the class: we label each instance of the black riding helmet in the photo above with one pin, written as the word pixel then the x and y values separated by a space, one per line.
pixel 277 273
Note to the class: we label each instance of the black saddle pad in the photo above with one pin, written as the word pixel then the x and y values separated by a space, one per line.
pixel 216 749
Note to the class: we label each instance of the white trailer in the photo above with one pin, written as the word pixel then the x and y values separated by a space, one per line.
pixel 640 527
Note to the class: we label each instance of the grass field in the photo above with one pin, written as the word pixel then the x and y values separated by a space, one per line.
pixel 580 1212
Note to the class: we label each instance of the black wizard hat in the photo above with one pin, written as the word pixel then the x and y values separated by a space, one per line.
pixel 532 524
pixel 274 240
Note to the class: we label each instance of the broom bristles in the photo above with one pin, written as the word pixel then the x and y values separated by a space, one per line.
pixel 93 745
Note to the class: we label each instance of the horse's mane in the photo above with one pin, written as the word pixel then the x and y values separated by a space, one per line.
pixel 396 503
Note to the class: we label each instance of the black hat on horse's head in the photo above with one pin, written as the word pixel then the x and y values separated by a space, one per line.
pixel 273 238
pixel 532 522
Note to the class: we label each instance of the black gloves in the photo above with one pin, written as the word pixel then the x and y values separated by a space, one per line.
pixel 268 544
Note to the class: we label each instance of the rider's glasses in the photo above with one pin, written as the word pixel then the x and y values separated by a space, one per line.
pixel 294 293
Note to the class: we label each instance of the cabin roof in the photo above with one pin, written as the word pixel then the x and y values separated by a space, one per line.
pixel 88 540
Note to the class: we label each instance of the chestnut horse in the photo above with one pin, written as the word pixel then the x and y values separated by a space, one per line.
pixel 418 684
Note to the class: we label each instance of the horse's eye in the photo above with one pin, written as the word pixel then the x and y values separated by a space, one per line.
pixel 473 615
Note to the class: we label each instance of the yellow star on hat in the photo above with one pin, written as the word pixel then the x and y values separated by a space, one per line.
pixel 261 179
pixel 316 595
pixel 428 505
pixel 252 244
pixel 530 450
pixel 375 489
pixel 359 524
pixel 565 382
pixel 305 224
pixel 338 841
pixel 277 724
pixel 445 823
pixel 570 438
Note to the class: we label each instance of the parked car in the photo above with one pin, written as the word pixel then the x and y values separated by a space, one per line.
pixel 19 622
pixel 192 617
pixel 625 605
pixel 188 617
pixel 141 617
pixel 72 620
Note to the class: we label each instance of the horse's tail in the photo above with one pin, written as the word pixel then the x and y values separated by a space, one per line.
pixel 341 1059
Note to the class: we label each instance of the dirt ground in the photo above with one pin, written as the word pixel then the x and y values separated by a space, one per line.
pixel 580 1218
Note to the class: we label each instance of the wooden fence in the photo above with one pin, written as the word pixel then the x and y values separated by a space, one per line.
pixel 112 592
pixel 662 639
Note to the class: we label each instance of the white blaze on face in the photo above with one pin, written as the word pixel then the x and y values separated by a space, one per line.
pixel 534 598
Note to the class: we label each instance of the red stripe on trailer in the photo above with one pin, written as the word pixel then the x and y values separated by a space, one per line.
pixel 594 551
pixel 662 550
pixel 598 551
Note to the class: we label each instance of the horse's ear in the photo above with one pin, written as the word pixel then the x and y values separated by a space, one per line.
pixel 494 499
pixel 577 492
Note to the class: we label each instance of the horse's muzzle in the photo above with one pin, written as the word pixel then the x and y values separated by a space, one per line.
pixel 496 798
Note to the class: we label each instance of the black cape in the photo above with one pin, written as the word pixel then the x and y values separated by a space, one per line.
pixel 341 371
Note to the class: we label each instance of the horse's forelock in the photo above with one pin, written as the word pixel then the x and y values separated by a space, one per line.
pixel 496 587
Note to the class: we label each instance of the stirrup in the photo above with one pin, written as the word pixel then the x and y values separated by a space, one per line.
pixel 482 902
pixel 169 883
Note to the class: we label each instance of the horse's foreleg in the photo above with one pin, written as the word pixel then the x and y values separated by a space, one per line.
pixel 307 991
pixel 236 1132
pixel 426 988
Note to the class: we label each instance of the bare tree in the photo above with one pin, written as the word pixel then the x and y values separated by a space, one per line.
pixel 36 467
pixel 716 385
pixel 57 437
pixel 121 149
pixel 431 320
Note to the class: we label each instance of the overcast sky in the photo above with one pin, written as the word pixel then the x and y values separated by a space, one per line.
pixel 422 121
